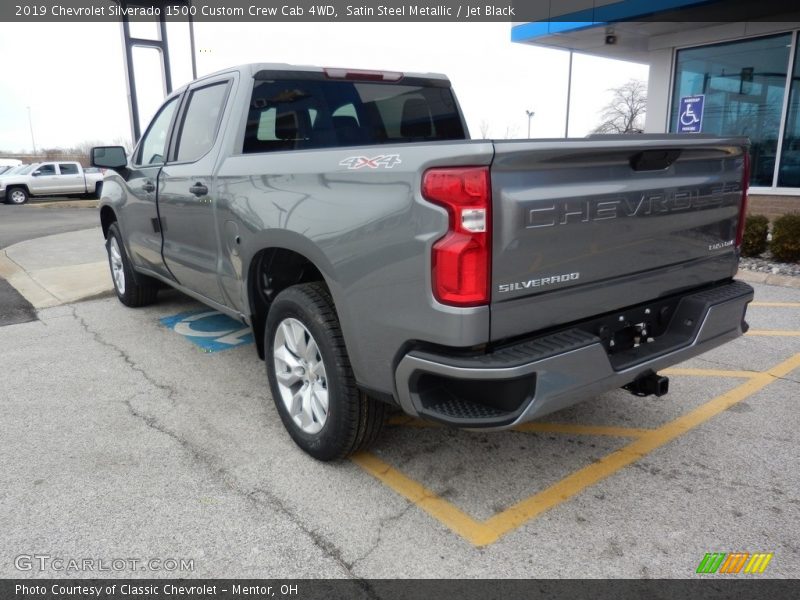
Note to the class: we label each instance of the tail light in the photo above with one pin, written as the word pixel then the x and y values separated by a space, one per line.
pixel 461 259
pixel 743 205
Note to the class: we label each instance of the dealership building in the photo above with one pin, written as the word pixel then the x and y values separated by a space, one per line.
pixel 723 67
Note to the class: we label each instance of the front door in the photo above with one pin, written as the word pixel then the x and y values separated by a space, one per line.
pixel 44 179
pixel 186 199
pixel 143 232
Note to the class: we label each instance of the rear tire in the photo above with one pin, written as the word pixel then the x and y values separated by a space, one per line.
pixel 17 195
pixel 98 191
pixel 311 379
pixel 131 292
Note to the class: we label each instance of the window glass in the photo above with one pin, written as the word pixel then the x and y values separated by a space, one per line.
pixel 199 128
pixel 46 170
pixel 743 86
pixel 789 172
pixel 11 170
pixel 154 142
pixel 346 110
pixel 68 169
pixel 300 114
pixel 266 125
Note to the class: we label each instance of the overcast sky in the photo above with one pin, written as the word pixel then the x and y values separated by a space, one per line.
pixel 72 78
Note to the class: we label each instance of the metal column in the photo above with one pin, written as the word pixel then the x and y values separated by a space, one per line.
pixel 161 44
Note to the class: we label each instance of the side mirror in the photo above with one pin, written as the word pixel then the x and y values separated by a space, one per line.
pixel 109 157
pixel 36 173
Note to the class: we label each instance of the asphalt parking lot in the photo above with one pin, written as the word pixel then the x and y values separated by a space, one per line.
pixel 44 216
pixel 124 438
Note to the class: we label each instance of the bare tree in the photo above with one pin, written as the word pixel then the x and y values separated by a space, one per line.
pixel 125 142
pixel 85 147
pixel 484 129
pixel 625 113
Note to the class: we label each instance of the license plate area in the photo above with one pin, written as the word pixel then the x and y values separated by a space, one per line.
pixel 633 327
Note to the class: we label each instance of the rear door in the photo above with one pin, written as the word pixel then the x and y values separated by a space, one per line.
pixel 587 227
pixel 186 200
pixel 71 179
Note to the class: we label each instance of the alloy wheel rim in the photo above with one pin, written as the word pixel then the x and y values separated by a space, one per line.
pixel 300 373
pixel 117 270
pixel 17 197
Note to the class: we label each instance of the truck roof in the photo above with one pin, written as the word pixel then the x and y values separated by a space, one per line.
pixel 251 69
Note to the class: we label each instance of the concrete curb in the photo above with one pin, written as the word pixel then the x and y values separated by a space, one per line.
pixel 46 288
pixel 768 278
pixel 16 276
pixel 65 204
pixel 57 269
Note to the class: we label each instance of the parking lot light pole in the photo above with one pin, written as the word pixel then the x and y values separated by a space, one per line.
pixel 530 114
pixel 30 124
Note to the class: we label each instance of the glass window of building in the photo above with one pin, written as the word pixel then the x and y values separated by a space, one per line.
pixel 743 83
pixel 789 172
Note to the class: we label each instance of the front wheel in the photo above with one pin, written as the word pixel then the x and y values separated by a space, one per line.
pixel 131 292
pixel 17 196
pixel 311 379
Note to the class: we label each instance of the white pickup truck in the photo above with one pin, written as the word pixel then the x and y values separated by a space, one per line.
pixel 58 178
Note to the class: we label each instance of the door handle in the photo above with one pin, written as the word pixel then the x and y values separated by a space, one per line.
pixel 198 189
pixel 148 187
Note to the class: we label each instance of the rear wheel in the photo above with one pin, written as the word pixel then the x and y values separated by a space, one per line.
pixel 17 195
pixel 134 293
pixel 311 378
pixel 98 191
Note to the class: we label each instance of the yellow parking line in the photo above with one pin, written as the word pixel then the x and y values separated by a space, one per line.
pixel 784 368
pixel 573 484
pixel 568 428
pixel 440 509
pixel 777 304
pixel 709 372
pixel 489 531
pixel 774 332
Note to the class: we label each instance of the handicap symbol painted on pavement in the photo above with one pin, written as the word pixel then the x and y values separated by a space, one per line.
pixel 211 330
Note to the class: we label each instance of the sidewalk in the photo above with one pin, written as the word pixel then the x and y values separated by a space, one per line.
pixel 58 269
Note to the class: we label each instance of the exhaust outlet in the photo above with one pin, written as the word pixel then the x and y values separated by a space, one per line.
pixel 649 384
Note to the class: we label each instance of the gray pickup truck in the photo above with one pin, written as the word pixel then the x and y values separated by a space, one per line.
pixel 383 258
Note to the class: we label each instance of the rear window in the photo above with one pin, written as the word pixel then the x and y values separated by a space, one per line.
pixel 295 114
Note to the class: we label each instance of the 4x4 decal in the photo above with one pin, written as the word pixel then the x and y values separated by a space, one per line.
pixel 382 160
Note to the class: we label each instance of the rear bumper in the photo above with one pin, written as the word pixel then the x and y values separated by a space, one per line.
pixel 526 380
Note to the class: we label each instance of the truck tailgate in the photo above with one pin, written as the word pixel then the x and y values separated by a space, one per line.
pixel 581 228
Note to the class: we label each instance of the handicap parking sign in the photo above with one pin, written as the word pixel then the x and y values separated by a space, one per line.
pixel 690 115
pixel 211 330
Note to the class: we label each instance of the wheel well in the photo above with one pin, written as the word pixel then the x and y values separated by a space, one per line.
pixel 20 186
pixel 107 217
pixel 273 270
